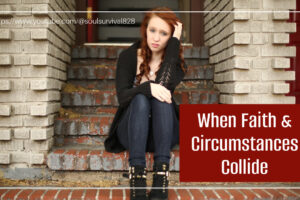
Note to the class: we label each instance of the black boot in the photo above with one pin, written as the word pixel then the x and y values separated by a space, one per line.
pixel 160 180
pixel 137 178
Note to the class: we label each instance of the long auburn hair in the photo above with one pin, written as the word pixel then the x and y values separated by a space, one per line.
pixel 170 18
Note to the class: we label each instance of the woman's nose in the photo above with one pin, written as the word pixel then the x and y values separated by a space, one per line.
pixel 156 37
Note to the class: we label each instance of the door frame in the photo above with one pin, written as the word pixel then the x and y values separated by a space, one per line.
pixel 295 61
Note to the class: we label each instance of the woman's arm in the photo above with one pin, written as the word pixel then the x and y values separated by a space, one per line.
pixel 124 82
pixel 170 74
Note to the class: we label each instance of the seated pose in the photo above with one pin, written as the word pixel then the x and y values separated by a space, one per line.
pixel 147 118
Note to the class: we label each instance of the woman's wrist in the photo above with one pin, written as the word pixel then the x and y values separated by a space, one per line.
pixel 177 37
pixel 177 30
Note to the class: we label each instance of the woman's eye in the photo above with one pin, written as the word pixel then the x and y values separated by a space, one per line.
pixel 164 34
pixel 152 30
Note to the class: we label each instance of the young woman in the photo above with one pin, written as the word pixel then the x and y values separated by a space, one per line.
pixel 147 117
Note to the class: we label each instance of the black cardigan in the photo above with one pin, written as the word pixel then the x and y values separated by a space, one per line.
pixel 169 75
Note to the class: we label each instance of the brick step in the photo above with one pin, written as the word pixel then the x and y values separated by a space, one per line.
pixel 175 193
pixel 83 125
pixel 83 133
pixel 112 62
pixel 108 98
pixel 107 70
pixel 90 110
pixel 86 139
pixel 77 85
pixel 111 52
pixel 76 111
pixel 87 157
pixel 92 69
pixel 62 140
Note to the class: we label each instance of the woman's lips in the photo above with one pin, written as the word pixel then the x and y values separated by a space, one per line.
pixel 155 45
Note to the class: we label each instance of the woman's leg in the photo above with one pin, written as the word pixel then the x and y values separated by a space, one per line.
pixel 134 128
pixel 165 129
pixel 165 135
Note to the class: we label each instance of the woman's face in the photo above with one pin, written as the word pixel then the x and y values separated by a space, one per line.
pixel 158 34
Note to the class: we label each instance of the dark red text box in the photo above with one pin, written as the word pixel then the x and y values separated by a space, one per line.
pixel 201 165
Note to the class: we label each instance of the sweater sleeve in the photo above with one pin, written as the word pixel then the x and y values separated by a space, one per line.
pixel 170 74
pixel 124 82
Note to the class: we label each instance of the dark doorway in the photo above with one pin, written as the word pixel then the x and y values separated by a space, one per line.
pixel 124 27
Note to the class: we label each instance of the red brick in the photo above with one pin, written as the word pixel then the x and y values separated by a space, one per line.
pixel 91 71
pixel 104 194
pixel 127 191
pixel 37 194
pixel 182 96
pixel 90 125
pixel 249 194
pixel 50 194
pixel 59 151
pixel 107 157
pixel 109 110
pixel 172 194
pixel 63 194
pixel 95 152
pixel 236 194
pixel 149 161
pixel 11 194
pixel 90 194
pixel 97 97
pixel 109 160
pixel 287 192
pixel 24 194
pixel 72 152
pixel 117 194
pixel 174 157
pixel 210 194
pixel 122 157
pixel 82 160
pixel 261 193
pixel 106 69
pixel 223 194
pixel 275 193
pixel 2 191
pixel 69 159
pixel 184 194
pixel 111 52
pixel 77 194
pixel 296 191
pixel 106 98
pixel 197 194
pixel 85 119
pixel 80 140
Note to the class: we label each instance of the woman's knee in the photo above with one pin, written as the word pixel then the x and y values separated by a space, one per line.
pixel 140 103
pixel 161 106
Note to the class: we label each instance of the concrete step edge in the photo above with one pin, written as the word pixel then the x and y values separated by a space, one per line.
pixel 81 157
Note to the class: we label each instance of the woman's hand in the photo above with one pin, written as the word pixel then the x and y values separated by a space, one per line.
pixel 178 30
pixel 160 93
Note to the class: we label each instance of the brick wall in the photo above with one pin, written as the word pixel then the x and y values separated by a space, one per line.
pixel 249 51
pixel 33 61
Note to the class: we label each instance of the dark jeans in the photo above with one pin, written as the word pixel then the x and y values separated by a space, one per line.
pixel 148 124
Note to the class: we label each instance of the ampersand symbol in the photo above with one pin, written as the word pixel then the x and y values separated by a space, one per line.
pixel 285 122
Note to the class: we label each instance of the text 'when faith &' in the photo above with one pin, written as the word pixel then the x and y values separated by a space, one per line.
pixel 211 120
